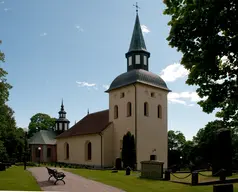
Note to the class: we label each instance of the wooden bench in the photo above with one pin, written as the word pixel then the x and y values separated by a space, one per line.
pixel 59 176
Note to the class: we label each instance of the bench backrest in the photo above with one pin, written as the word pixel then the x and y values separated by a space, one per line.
pixel 51 171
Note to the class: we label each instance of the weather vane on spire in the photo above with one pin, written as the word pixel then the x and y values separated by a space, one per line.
pixel 137 7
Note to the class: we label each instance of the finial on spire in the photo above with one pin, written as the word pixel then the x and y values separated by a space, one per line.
pixel 88 111
pixel 137 7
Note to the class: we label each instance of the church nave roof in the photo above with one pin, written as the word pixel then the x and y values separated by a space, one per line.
pixel 91 124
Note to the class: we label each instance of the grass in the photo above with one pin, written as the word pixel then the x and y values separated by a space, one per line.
pixel 16 178
pixel 134 184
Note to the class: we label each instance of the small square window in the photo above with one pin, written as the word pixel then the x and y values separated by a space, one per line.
pixel 152 94
pixel 122 95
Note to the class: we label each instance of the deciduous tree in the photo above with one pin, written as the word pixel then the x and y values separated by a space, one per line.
pixel 40 121
pixel 10 141
pixel 206 32
pixel 4 86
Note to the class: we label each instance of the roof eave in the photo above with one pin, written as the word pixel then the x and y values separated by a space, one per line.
pixel 142 82
pixel 86 133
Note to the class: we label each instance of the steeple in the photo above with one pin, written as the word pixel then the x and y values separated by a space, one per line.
pixel 62 113
pixel 62 124
pixel 137 40
pixel 137 56
pixel 62 105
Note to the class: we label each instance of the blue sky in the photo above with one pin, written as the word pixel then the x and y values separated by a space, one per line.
pixel 74 49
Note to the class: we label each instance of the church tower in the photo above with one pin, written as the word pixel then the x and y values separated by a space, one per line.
pixel 62 124
pixel 138 103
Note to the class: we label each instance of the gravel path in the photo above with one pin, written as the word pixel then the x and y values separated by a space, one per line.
pixel 73 183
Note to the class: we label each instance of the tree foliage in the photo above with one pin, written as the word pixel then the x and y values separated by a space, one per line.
pixel 176 141
pixel 204 140
pixel 4 86
pixel 40 121
pixel 206 32
pixel 11 140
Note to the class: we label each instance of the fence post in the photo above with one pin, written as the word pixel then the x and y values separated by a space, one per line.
pixel 194 178
pixel 222 175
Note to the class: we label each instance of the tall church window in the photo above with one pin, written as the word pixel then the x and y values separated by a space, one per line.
pixel 128 109
pixel 66 150
pixel 115 112
pixel 88 150
pixel 145 60
pixel 146 109
pixel 137 59
pixel 159 111
pixel 130 61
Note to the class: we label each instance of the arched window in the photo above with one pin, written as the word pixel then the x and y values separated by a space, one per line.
pixel 115 112
pixel 146 109
pixel 66 146
pixel 128 109
pixel 159 111
pixel 88 150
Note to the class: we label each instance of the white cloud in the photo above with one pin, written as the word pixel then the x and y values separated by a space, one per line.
pixel 87 85
pixel 145 29
pixel 177 101
pixel 43 34
pixel 79 28
pixel 1 2
pixel 173 72
pixel 92 85
pixel 106 86
pixel 184 98
pixel 7 9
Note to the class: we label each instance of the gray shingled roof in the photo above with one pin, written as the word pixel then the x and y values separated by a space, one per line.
pixel 44 137
pixel 138 76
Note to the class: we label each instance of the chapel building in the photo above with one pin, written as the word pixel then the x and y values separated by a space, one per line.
pixel 137 103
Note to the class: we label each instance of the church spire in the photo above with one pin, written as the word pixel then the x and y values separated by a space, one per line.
pixel 62 105
pixel 137 56
pixel 62 113
pixel 137 40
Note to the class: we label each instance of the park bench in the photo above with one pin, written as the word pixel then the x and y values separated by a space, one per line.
pixel 59 176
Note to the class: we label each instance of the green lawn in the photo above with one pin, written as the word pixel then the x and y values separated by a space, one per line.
pixel 134 184
pixel 16 178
